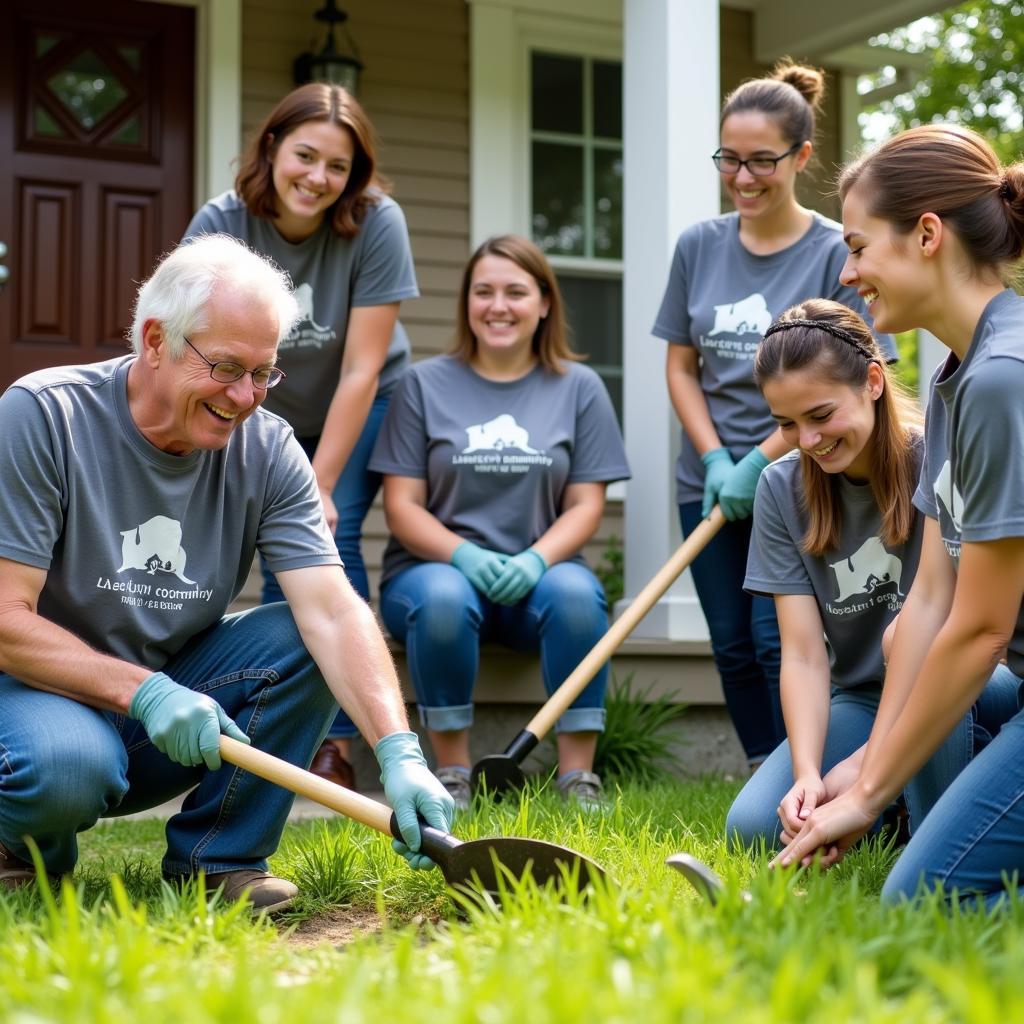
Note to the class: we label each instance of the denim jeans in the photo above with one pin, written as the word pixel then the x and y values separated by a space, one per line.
pixel 744 634
pixel 753 815
pixel 974 836
pixel 442 619
pixel 353 495
pixel 63 764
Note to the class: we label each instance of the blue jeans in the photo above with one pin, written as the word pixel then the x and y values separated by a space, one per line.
pixel 353 495
pixel 63 764
pixel 744 634
pixel 974 835
pixel 753 815
pixel 442 619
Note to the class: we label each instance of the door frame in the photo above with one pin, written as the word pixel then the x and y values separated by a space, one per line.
pixel 218 93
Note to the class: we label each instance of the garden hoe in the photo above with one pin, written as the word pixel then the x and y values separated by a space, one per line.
pixel 499 773
pixel 701 877
pixel 472 865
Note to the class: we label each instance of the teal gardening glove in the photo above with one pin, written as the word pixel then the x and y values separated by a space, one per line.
pixel 717 467
pixel 480 566
pixel 182 724
pixel 413 791
pixel 736 498
pixel 521 574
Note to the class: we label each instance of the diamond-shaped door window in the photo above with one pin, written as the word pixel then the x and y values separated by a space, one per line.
pixel 88 88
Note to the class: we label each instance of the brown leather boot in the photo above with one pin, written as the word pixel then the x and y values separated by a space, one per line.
pixel 330 765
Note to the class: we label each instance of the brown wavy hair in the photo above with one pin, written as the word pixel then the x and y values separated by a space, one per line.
pixel 551 339
pixel 316 101
pixel 898 420
pixel 952 172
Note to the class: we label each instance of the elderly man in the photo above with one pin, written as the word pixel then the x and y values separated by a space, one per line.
pixel 135 494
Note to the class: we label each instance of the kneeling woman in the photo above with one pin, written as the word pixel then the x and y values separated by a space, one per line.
pixel 495 460
pixel 837 541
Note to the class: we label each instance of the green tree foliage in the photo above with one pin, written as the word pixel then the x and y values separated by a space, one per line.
pixel 977 77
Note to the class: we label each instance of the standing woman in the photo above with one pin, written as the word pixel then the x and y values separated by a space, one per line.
pixel 496 458
pixel 308 196
pixel 934 226
pixel 836 542
pixel 730 278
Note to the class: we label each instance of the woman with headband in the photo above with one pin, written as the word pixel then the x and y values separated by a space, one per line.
pixel 935 225
pixel 836 542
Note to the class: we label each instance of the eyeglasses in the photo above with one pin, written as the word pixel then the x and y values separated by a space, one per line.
pixel 227 373
pixel 759 166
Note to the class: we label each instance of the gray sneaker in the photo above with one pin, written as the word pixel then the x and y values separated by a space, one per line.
pixel 584 789
pixel 262 889
pixel 455 778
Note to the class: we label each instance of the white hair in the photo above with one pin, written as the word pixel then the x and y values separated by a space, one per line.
pixel 178 291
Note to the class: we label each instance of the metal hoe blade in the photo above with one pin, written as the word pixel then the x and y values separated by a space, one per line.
pixel 478 863
pixel 497 774
pixel 701 877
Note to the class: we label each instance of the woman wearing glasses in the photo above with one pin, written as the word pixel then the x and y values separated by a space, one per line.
pixel 307 195
pixel 730 277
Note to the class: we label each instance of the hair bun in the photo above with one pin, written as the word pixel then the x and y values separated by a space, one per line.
pixel 1011 190
pixel 808 81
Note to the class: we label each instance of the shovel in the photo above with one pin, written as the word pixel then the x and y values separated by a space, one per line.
pixel 502 772
pixel 473 865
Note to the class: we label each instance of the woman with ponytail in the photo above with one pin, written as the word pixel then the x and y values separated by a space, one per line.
pixel 836 541
pixel 935 226
pixel 730 277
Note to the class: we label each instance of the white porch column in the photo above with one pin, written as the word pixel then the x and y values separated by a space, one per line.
pixel 671 107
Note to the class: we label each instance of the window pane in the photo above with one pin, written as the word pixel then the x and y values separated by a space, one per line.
pixel 130 133
pixel 88 88
pixel 44 124
pixel 607 100
pixel 593 307
pixel 608 204
pixel 557 214
pixel 557 93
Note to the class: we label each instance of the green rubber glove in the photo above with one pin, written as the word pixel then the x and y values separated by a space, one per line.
pixel 182 724
pixel 736 498
pixel 479 565
pixel 717 467
pixel 520 575
pixel 413 792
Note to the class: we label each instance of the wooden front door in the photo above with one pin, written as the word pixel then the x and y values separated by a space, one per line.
pixel 96 115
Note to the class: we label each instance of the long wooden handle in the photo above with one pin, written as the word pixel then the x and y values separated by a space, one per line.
pixel 273 769
pixel 625 624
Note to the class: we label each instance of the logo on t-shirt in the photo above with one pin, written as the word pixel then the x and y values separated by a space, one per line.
pixel 950 501
pixel 153 549
pixel 492 447
pixel 154 546
pixel 307 333
pixel 748 316
pixel 861 574
pixel 497 434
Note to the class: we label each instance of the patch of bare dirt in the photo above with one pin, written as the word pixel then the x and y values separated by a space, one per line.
pixel 337 928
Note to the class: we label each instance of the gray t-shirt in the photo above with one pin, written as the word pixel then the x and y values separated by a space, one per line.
pixel 972 480
pixel 721 298
pixel 144 549
pixel 859 588
pixel 331 275
pixel 497 455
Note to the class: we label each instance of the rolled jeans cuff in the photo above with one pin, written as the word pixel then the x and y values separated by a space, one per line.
pixel 581 720
pixel 446 719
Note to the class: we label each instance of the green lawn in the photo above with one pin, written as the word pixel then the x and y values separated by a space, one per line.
pixel 809 947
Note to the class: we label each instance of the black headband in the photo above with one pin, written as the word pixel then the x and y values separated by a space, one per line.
pixel 821 325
